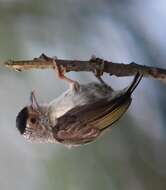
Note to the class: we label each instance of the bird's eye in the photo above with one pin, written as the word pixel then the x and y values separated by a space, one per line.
pixel 33 120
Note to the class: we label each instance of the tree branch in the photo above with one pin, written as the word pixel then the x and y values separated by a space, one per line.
pixel 117 69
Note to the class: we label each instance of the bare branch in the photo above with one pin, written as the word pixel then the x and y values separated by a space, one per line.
pixel 117 69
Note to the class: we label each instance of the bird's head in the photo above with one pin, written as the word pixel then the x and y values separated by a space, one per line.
pixel 33 122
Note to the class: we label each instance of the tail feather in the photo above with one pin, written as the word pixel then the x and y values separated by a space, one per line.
pixel 134 83
pixel 118 105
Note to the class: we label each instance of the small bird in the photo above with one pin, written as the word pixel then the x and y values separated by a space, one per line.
pixel 79 116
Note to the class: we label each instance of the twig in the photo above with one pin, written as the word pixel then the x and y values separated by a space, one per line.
pixel 117 69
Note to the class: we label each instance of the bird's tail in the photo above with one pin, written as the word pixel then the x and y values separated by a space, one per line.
pixel 118 106
pixel 134 83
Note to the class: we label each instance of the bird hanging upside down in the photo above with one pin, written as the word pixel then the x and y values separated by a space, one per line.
pixel 79 116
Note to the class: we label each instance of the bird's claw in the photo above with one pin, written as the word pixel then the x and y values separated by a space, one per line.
pixel 98 66
pixel 61 70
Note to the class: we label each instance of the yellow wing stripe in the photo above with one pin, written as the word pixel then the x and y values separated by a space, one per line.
pixel 111 117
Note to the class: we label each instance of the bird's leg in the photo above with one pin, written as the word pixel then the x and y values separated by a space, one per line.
pixel 99 69
pixel 98 66
pixel 60 70
pixel 102 81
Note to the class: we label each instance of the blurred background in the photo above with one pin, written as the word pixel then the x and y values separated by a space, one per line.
pixel 133 154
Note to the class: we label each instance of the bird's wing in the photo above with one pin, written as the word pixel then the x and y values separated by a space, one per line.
pixel 84 123
pixel 87 121
pixel 102 109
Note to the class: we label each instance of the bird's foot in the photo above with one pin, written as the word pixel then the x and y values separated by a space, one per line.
pixel 61 70
pixel 98 66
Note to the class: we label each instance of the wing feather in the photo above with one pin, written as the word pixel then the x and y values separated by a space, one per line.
pixel 78 123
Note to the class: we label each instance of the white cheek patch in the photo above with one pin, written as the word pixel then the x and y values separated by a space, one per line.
pixel 27 134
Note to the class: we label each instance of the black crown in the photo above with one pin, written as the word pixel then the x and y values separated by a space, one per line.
pixel 21 120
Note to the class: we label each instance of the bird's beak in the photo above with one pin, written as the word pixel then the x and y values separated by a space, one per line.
pixel 33 102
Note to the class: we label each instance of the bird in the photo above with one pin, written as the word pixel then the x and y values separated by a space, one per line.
pixel 78 116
